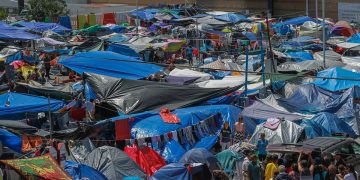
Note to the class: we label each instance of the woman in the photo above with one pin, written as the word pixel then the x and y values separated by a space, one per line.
pixel 349 173
pixel 306 170
pixel 239 131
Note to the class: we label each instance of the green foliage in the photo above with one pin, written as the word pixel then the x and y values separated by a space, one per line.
pixel 3 14
pixel 39 9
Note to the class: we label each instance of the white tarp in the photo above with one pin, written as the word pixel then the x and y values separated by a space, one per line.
pixel 352 61
pixel 329 55
pixel 230 81
pixel 190 73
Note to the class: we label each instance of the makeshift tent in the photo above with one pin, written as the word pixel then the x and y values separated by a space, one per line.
pixel 299 20
pixel 145 16
pixel 190 73
pixel 17 34
pixel 18 126
pixel 259 110
pixel 40 27
pixel 329 56
pixel 10 140
pixel 352 56
pixel 326 124
pixel 113 163
pixel 93 44
pixel 232 17
pixel 172 152
pixel 300 56
pixel 12 104
pixel 354 38
pixel 228 159
pixel 65 21
pixel 42 167
pixel 286 132
pixel 337 84
pixel 210 20
pixel 130 96
pixel 173 171
pixel 310 99
pixel 148 159
pixel 122 49
pixel 201 155
pixel 79 171
pixel 110 64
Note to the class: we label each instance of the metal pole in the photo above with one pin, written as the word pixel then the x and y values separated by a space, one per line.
pixel 307 7
pixel 262 55
pixel 324 34
pixel 316 8
pixel 246 68
pixel 50 119
pixel 137 18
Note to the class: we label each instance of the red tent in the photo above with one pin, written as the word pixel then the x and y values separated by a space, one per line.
pixel 148 159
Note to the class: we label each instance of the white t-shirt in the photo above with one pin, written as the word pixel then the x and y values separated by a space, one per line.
pixel 349 176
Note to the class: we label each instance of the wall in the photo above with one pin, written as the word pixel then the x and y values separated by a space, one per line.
pixel 140 2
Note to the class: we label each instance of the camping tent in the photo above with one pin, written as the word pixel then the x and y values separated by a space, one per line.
pixel 201 155
pixel 110 64
pixel 12 104
pixel 337 84
pixel 79 171
pixel 173 171
pixel 133 96
pixel 113 163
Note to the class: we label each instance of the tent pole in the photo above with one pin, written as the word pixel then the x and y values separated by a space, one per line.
pixel 324 34
pixel 246 68
pixel 316 8
pixel 50 119
pixel 262 55
pixel 137 19
pixel 307 7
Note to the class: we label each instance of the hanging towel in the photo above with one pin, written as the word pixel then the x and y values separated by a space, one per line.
pixel 169 118
pixel 92 19
pixel 109 18
pixel 122 129
pixel 81 20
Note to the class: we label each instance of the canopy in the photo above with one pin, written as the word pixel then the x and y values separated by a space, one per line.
pixel 201 155
pixel 79 171
pixel 12 103
pixel 287 132
pixel 133 96
pixel 110 64
pixel 113 163
pixel 17 34
pixel 42 167
pixel 232 17
pixel 153 125
pixel 173 171
pixel 337 84
pixel 310 99
pixel 122 49
pixel 299 20
pixel 40 27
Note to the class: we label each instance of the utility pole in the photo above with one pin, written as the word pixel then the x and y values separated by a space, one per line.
pixel 324 34
pixel 316 8
pixel 50 119
pixel 262 54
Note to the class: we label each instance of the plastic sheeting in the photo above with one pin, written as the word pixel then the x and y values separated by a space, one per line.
pixel 10 140
pixel 310 99
pixel 113 163
pixel 172 152
pixel 57 92
pixel 300 56
pixel 173 171
pixel 92 44
pixel 354 38
pixel 287 132
pixel 110 64
pixel 65 21
pixel 325 124
pixel 329 56
pixel 79 171
pixel 228 159
pixel 299 20
pixel 12 103
pixel 232 17
pixel 259 110
pixel 153 125
pixel 201 155
pixel 40 27
pixel 207 142
pixel 131 96
pixel 308 65
pixel 17 34
pixel 337 84
pixel 190 73
pixel 122 49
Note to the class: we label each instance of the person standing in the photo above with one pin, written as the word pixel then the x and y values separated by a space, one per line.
pixel 239 131
pixel 244 167
pixel 261 146
pixel 47 65
pixel 189 54
pixel 254 169
pixel 283 175
pixel 225 137
pixel 270 167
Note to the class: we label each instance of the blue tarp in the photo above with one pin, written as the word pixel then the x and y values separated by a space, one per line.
pixel 78 171
pixel 143 15
pixel 14 57
pixel 299 20
pixel 65 21
pixel 17 34
pixel 337 84
pixel 300 56
pixel 12 103
pixel 40 27
pixel 282 29
pixel 172 152
pixel 207 142
pixel 354 38
pixel 110 64
pixel 10 140
pixel 251 36
pixel 151 124
pixel 232 17
pixel 310 99
pixel 116 28
pixel 118 38
pixel 173 171
pixel 122 49
pixel 325 124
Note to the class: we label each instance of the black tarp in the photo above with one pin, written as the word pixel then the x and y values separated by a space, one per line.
pixel 113 163
pixel 133 96
pixel 57 92
pixel 18 126
pixel 92 44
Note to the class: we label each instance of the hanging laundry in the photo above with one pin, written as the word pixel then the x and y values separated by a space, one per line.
pixel 169 118
pixel 92 19
pixel 109 18
pixel 81 21
pixel 122 129
pixel 272 123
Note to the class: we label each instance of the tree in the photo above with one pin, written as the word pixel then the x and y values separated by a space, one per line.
pixel 3 14
pixel 39 9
